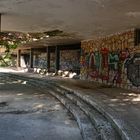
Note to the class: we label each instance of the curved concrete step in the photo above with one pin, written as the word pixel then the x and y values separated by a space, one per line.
pixel 125 130
pixel 87 129
pixel 103 126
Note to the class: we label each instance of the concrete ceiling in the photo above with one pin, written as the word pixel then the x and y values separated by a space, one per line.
pixel 89 18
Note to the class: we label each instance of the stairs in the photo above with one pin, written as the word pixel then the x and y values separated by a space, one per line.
pixel 93 122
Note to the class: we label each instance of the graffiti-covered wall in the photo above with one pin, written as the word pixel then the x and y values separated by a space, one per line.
pixel 40 60
pixel 70 60
pixel 110 60
pixel 52 61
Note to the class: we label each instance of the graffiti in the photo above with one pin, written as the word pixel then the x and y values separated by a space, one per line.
pixel 41 63
pixel 40 60
pixel 114 67
pixel 133 69
pixel 84 61
pixel 52 61
pixel 104 63
pixel 110 59
pixel 69 60
pixel 113 61
pixel 94 64
pixel 97 60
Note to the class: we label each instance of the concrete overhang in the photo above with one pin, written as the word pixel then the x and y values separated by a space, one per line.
pixel 89 18
pixel 51 42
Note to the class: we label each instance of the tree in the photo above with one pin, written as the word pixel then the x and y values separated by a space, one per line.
pixel 11 40
pixel 8 42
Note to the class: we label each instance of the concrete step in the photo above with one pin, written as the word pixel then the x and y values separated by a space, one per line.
pixel 87 129
pixel 98 115
pixel 125 130
pixel 103 126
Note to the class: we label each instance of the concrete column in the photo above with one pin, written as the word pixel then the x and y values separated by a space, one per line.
pixel 57 59
pixel 18 58
pixel 0 22
pixel 48 59
pixel 31 58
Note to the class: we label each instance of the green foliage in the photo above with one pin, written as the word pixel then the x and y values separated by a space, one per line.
pixel 9 41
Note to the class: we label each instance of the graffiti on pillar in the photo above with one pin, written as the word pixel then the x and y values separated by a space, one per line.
pixel 69 60
pixel 52 61
pixel 133 69
pixel 40 60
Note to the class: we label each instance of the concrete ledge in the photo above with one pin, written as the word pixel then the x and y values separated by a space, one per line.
pixel 125 130
pixel 102 125
pixel 87 129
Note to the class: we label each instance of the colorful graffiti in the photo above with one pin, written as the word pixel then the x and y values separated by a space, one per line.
pixel 40 60
pixel 106 59
pixel 105 64
pixel 69 60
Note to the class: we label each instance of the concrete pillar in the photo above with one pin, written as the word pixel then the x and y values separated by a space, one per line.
pixel 18 58
pixel 48 59
pixel 31 58
pixel 57 59
pixel 0 22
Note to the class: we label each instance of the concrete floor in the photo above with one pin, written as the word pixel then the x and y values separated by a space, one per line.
pixel 28 114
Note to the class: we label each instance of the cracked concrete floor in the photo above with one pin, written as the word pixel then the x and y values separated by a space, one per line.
pixel 28 114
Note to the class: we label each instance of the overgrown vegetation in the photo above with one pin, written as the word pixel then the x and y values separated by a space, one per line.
pixel 9 41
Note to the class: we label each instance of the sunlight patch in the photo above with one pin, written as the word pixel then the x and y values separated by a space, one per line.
pixel 1 83
pixel 24 82
pixel 20 94
pixel 57 107
pixel 136 99
pixel 114 100
pixel 39 106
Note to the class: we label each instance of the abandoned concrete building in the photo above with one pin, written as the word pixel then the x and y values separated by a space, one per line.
pixel 111 59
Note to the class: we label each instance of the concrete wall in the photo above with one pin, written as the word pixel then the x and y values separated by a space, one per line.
pixel 40 60
pixel 112 60
pixel 70 60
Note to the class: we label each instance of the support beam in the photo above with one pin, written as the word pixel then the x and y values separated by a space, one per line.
pixel 48 59
pixel 0 21
pixel 31 58
pixel 18 58
pixel 57 59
